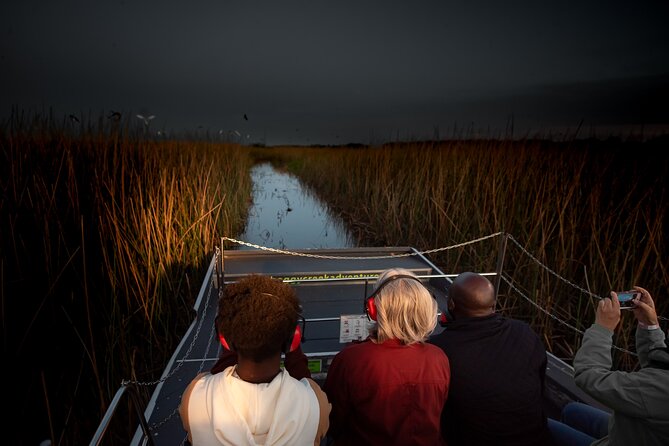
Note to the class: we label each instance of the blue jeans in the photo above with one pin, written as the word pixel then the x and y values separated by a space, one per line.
pixel 581 425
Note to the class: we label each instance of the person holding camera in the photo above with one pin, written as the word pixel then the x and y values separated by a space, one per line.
pixel 639 399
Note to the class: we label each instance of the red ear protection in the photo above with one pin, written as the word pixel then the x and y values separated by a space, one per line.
pixel 224 343
pixel 443 319
pixel 370 308
pixel 295 341
pixel 290 346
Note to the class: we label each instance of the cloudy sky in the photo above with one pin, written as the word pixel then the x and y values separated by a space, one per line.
pixel 341 71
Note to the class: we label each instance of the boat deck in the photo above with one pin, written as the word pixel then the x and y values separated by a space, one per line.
pixel 327 289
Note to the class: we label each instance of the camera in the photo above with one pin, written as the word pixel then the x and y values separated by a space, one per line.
pixel 625 298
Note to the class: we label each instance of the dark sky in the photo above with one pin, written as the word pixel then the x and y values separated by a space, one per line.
pixel 341 71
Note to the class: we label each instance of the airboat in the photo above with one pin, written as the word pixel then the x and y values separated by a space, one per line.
pixel 331 285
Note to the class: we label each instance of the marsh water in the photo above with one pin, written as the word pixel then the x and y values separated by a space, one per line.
pixel 286 215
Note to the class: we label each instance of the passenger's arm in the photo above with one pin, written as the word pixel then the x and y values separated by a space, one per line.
pixel 592 366
pixel 183 407
pixel 647 340
pixel 324 412
pixel 334 388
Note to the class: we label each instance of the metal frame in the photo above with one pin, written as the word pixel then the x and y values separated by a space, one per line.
pixel 134 399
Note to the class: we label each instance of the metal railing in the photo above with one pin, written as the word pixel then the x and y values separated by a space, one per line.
pixel 133 393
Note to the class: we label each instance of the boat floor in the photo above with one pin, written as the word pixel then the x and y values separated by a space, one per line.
pixel 327 289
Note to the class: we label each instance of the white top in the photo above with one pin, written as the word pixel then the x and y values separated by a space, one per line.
pixel 225 410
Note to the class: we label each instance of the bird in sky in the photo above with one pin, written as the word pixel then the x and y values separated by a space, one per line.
pixel 246 118
pixel 116 116
pixel 74 119
pixel 146 119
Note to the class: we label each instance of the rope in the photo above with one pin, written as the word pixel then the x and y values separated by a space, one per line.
pixel 391 256
pixel 158 424
pixel 554 317
pixel 527 253
pixel 430 251
pixel 581 289
pixel 190 347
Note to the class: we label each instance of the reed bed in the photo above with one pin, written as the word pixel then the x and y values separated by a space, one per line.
pixel 595 212
pixel 105 236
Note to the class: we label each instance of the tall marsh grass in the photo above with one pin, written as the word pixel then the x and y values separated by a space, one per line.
pixel 595 212
pixel 104 239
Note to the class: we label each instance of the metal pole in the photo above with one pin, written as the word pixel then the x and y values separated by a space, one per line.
pixel 104 424
pixel 500 262
pixel 142 420
pixel 221 263
pixel 219 279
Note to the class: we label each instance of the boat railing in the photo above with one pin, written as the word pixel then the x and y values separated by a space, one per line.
pixel 131 390
pixel 216 276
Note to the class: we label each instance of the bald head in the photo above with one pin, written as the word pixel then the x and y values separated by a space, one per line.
pixel 472 295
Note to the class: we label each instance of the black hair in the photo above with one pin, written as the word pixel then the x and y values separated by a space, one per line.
pixel 257 316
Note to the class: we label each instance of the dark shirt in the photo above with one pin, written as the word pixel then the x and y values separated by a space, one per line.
pixel 498 367
pixel 389 394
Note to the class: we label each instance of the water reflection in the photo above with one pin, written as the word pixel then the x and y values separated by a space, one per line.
pixel 287 216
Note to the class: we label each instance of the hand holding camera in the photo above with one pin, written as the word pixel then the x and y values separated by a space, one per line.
pixel 644 308
pixel 608 312
pixel 627 299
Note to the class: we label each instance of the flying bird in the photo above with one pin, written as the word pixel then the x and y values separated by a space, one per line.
pixel 246 118
pixel 146 119
pixel 74 119
pixel 116 116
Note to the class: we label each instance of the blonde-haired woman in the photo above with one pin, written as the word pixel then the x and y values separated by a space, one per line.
pixel 391 388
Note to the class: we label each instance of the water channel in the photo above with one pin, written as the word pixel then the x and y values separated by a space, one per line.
pixel 286 215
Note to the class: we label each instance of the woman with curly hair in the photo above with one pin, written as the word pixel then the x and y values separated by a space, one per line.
pixel 247 399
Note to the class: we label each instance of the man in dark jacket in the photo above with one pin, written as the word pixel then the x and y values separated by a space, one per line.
pixel 498 367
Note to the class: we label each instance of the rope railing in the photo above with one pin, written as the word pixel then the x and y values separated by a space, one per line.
pixel 188 351
pixel 415 253
pixel 558 276
pixel 504 278
pixel 553 316
pixel 389 256
pixel 129 383
pixel 429 251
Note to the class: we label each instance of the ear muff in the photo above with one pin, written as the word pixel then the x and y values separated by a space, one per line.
pixel 290 346
pixel 295 340
pixel 224 343
pixel 370 305
pixel 444 318
pixel 370 308
pixel 221 338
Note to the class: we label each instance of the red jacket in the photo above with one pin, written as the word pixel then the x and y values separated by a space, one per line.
pixel 387 394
